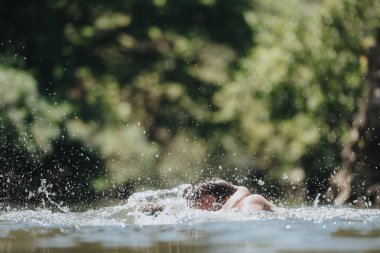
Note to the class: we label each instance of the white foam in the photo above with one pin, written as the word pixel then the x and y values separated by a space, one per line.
pixel 175 211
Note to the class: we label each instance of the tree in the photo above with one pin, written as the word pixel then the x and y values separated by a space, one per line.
pixel 301 85
pixel 358 181
pixel 138 77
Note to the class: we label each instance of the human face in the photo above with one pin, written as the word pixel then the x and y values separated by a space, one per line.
pixel 207 202
pixel 224 200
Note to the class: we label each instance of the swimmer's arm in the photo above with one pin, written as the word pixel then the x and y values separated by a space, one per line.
pixel 238 196
pixel 256 202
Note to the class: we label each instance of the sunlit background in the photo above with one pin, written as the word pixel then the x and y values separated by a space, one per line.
pixel 99 99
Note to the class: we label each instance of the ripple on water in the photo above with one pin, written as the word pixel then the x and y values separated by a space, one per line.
pixel 324 228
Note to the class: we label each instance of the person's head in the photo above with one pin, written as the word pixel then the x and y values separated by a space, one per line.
pixel 209 194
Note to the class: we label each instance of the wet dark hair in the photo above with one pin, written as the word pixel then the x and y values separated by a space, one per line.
pixel 215 187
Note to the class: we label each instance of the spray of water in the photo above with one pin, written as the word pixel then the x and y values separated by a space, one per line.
pixel 45 190
pixel 316 200
pixel 174 210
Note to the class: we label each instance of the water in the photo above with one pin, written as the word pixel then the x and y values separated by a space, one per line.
pixel 125 228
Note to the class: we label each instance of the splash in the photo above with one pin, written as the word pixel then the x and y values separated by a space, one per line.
pixel 175 211
pixel 316 200
pixel 45 189
pixel 128 227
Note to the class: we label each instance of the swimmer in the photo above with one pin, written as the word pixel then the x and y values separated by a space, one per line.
pixel 215 194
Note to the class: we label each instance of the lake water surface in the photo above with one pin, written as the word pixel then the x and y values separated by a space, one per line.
pixel 178 228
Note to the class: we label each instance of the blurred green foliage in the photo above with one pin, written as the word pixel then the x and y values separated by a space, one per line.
pixel 101 95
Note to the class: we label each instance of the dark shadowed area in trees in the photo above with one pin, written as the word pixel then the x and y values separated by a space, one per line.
pixel 102 98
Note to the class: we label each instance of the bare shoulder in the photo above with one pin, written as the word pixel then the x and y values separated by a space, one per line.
pixel 256 202
pixel 242 190
pixel 233 202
